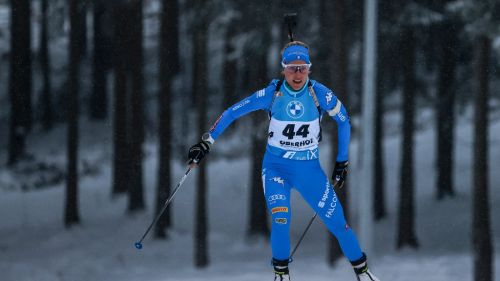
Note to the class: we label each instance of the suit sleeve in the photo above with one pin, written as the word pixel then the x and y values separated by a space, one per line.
pixel 334 107
pixel 261 99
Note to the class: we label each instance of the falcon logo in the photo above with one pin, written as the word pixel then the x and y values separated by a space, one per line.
pixel 295 109
pixel 331 208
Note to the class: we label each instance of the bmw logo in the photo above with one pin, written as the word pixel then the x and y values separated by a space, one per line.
pixel 295 109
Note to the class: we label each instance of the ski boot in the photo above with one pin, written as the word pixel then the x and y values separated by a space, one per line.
pixel 361 269
pixel 281 270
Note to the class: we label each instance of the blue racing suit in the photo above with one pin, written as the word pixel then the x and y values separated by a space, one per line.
pixel 292 158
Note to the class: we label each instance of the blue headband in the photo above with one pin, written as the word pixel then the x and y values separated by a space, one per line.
pixel 295 52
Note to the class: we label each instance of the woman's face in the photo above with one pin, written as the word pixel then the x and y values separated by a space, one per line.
pixel 296 73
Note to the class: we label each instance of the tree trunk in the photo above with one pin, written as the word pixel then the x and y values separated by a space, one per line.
pixel 338 64
pixel 258 211
pixel 19 79
pixel 323 48
pixel 169 64
pixel 379 210
pixel 100 62
pixel 201 228
pixel 121 157
pixel 481 225
pixel 230 67
pixel 47 111
pixel 82 28
pixel 71 216
pixel 136 129
pixel 445 109
pixel 199 84
pixel 406 223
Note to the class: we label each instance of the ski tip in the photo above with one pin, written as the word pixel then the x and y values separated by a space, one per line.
pixel 138 245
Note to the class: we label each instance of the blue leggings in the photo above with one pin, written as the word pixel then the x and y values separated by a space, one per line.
pixel 279 175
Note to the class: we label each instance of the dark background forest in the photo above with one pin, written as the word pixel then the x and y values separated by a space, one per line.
pixel 100 101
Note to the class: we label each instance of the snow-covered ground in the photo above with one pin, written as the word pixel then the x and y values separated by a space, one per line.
pixel 34 245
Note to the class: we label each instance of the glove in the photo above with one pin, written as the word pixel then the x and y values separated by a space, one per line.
pixel 198 151
pixel 339 174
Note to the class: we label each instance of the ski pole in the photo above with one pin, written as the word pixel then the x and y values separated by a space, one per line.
pixel 305 231
pixel 138 244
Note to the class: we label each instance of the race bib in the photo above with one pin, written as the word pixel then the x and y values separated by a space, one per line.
pixel 294 135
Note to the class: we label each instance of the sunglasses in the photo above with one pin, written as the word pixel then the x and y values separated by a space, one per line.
pixel 293 68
